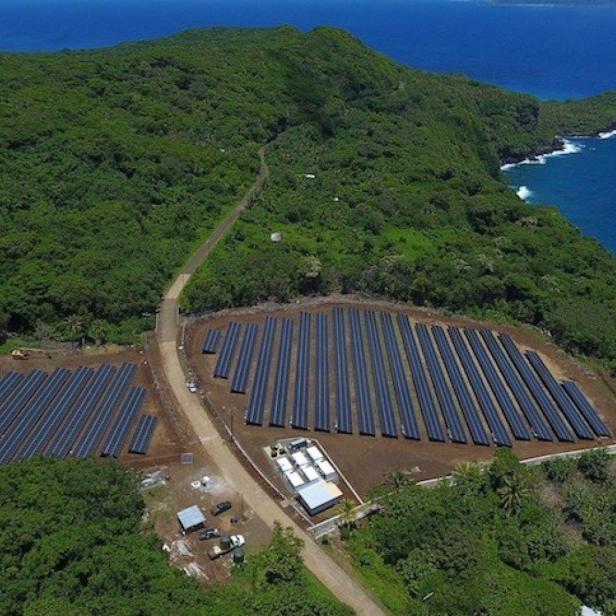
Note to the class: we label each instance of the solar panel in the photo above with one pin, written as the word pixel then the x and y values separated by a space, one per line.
pixel 383 398
pixel 321 399
pixel 410 427
pixel 432 421
pixel 9 381
pixel 300 403
pixel 18 431
pixel 244 362
pixel 223 365
pixel 360 371
pixel 210 342
pixel 96 428
pixel 256 404
pixel 140 443
pixel 127 415
pixel 592 417
pixel 344 419
pixel 493 420
pixel 76 419
pixel 450 413
pixel 555 420
pixel 538 426
pixel 568 409
pixel 278 415
pixel 55 414
pixel 20 397
pixel 471 414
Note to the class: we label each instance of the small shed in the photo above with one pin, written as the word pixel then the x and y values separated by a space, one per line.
pixel 314 453
pixel 318 496
pixel 310 473
pixel 294 478
pixel 326 469
pixel 300 459
pixel 284 465
pixel 191 518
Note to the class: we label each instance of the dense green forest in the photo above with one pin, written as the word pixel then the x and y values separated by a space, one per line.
pixel 115 163
pixel 508 539
pixel 72 543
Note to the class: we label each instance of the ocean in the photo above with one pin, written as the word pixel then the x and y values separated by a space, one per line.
pixel 555 52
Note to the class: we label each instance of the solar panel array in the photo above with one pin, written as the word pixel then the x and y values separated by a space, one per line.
pixel 68 413
pixel 454 384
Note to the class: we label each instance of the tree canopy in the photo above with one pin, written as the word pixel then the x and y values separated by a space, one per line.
pixel 72 542
pixel 115 163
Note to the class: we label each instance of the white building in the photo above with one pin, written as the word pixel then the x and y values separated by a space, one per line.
pixel 318 496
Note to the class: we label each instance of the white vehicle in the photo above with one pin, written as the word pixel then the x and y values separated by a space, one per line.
pixel 192 387
pixel 235 541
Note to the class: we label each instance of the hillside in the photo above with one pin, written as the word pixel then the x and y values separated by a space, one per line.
pixel 117 162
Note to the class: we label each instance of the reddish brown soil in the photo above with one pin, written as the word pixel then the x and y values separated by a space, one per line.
pixel 367 460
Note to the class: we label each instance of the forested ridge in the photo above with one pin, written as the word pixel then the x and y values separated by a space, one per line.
pixel 115 163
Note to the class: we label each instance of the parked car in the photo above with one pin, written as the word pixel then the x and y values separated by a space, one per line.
pixel 221 507
pixel 192 387
pixel 209 533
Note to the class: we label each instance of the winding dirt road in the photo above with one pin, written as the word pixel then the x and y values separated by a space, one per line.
pixel 344 587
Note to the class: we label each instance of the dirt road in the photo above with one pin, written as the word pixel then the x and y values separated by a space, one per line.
pixel 322 566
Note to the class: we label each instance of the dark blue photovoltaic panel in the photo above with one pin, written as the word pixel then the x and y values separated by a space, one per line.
pixel 210 342
pixel 473 420
pixel 555 420
pixel 119 431
pixel 496 426
pixel 383 398
pixel 454 425
pixel 9 381
pixel 244 362
pixel 223 364
pixel 538 426
pixel 344 418
pixel 568 409
pixel 97 426
pixel 256 404
pixel 518 427
pixel 592 417
pixel 19 398
pixel 74 422
pixel 302 368
pixel 321 397
pixel 143 434
pixel 410 427
pixel 17 433
pixel 432 421
pixel 55 414
pixel 278 414
pixel 360 370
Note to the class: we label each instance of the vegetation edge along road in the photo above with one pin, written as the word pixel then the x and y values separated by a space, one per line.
pixel 322 566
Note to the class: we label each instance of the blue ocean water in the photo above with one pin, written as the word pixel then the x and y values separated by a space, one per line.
pixel 581 184
pixel 550 51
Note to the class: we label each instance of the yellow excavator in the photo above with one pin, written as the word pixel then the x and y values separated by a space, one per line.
pixel 25 353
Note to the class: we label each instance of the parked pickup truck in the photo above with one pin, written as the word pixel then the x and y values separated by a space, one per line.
pixel 235 541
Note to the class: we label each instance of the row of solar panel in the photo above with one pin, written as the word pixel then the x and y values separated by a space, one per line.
pixel 67 413
pixel 465 381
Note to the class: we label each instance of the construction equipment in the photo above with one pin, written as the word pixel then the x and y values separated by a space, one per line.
pixel 25 353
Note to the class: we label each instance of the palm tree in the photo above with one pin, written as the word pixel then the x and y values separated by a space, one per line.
pixel 346 511
pixel 512 492
pixel 468 474
pixel 398 479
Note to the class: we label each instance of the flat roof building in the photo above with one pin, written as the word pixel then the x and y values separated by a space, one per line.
pixel 314 453
pixel 318 496
pixel 191 518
